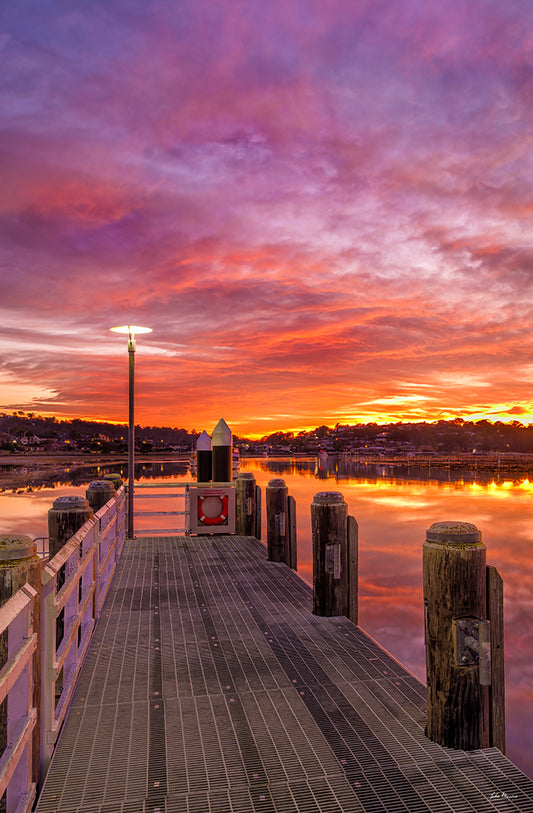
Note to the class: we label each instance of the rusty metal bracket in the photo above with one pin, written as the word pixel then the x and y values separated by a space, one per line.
pixel 472 646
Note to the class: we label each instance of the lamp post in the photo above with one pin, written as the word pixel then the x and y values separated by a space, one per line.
pixel 131 330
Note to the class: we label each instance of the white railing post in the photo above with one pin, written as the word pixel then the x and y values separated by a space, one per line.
pixel 48 672
pixel 16 683
pixel 89 559
pixel 78 615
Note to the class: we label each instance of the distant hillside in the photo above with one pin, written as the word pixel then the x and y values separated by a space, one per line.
pixel 23 429
pixel 441 436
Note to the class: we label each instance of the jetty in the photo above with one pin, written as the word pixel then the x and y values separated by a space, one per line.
pixel 202 678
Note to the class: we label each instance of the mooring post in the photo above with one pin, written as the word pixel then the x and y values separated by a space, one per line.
pixel 352 531
pixel 115 478
pixel 497 668
pixel 291 519
pixel 457 636
pixel 19 564
pixel 204 458
pixel 222 442
pixel 276 511
pixel 334 556
pixel 258 503
pixel 245 507
pixel 65 517
pixel 98 493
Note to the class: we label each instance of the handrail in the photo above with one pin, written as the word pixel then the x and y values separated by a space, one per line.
pixel 16 683
pixel 179 490
pixel 167 491
pixel 88 561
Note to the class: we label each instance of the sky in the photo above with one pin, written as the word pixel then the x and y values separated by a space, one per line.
pixel 323 210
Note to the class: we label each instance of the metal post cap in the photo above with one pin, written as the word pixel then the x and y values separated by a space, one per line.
pixel 203 444
pixel 14 546
pixel 277 482
pixel 69 503
pixel 246 475
pixel 453 533
pixel 222 435
pixel 328 497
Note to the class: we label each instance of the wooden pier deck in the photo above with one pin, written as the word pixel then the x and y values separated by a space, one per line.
pixel 210 686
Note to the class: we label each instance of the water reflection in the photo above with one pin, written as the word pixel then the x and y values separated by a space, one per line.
pixel 393 513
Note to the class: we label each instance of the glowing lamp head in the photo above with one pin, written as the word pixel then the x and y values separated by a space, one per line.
pixel 131 330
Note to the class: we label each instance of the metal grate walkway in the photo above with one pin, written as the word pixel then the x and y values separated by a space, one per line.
pixel 210 686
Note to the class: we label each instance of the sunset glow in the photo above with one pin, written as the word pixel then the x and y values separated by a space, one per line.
pixel 322 209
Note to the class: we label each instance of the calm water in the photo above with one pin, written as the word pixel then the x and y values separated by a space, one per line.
pixel 393 510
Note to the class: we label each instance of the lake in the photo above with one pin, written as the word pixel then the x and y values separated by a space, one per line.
pixel 393 508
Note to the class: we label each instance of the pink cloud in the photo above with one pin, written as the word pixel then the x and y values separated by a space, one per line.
pixel 317 208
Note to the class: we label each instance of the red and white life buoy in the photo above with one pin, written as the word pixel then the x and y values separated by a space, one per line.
pixel 208 508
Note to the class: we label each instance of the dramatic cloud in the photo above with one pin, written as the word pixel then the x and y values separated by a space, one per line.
pixel 323 210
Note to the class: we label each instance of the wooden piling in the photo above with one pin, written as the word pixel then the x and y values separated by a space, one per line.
pixel 455 598
pixel 291 520
pixel 497 669
pixel 115 479
pixel 19 564
pixel 334 556
pixel 245 507
pixel 277 525
pixel 98 493
pixel 258 509
pixel 66 516
pixel 352 532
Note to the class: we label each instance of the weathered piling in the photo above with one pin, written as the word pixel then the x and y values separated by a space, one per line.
pixel 276 511
pixel 115 478
pixel 258 508
pixel 98 493
pixel 352 538
pixel 19 564
pixel 457 663
pixel 281 527
pixel 222 441
pixel 204 458
pixel 65 517
pixel 334 556
pixel 497 669
pixel 245 504
pixel 291 521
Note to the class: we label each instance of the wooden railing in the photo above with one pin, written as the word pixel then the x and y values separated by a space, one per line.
pixel 16 684
pixel 74 586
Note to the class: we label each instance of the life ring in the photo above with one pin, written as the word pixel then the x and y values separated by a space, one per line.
pixel 218 519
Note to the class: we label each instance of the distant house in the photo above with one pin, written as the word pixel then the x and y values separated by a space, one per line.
pixel 29 440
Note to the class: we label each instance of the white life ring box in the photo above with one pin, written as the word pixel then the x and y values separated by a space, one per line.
pixel 212 510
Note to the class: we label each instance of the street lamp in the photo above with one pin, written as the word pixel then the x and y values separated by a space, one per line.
pixel 131 330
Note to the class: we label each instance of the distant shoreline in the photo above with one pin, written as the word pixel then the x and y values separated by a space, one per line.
pixel 27 472
pixel 83 457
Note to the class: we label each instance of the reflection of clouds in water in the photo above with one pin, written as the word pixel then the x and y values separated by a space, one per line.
pixel 397 502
